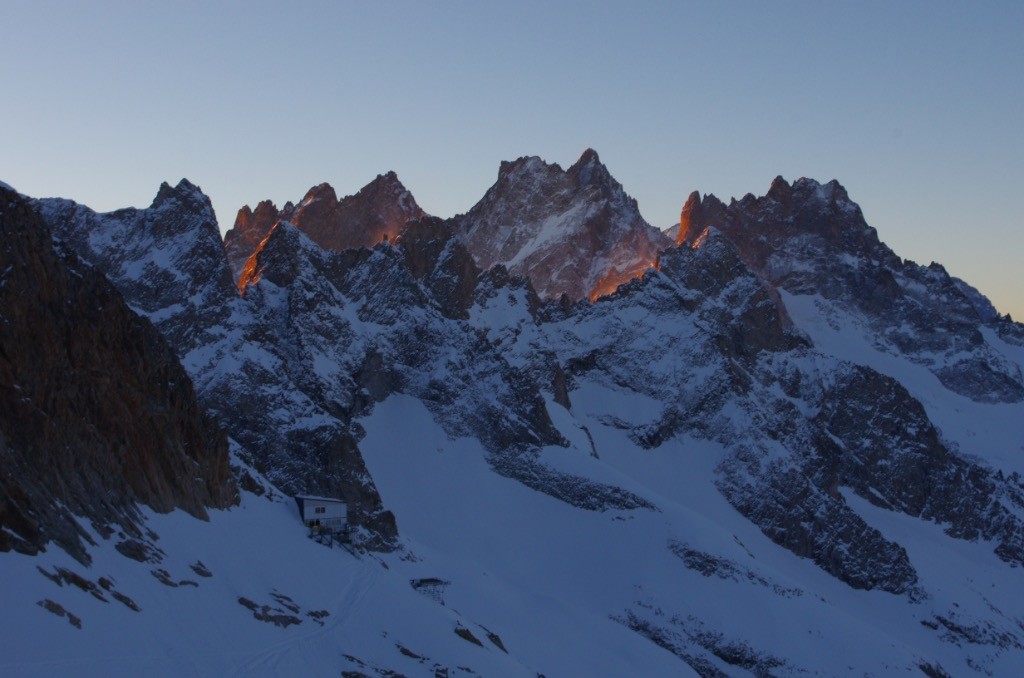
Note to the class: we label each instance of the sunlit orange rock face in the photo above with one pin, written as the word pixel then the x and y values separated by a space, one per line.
pixel 380 209
pixel 616 279
pixel 689 218
pixel 250 271
pixel 251 227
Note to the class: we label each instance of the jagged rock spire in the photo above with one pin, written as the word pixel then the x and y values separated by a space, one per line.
pixel 376 212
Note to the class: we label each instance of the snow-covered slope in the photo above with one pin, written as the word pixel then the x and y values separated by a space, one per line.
pixel 245 594
pixel 691 585
pixel 732 465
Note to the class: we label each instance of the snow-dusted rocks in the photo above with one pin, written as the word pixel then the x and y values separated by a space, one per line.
pixel 811 239
pixel 899 463
pixel 169 263
pixel 572 232
pixel 166 260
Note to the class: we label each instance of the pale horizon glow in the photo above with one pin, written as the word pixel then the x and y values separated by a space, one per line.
pixel 915 107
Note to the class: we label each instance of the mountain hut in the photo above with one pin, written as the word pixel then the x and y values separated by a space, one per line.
pixel 329 515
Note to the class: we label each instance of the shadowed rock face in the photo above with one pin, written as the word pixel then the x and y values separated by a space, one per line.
pixel 572 232
pixel 378 211
pixel 899 463
pixel 759 227
pixel 434 255
pixel 750 314
pixel 96 413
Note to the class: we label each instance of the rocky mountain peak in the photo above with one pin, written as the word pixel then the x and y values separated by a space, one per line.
pixel 689 215
pixel 266 210
pixel 265 213
pixel 805 208
pixel 389 178
pixel 182 210
pixel 588 157
pixel 275 257
pixel 251 227
pixel 573 232
pixel 780 190
pixel 321 192
pixel 590 171
pixel 168 259
pixel 385 194
pixel 810 239
pixel 697 214
pixel 185 194
pixel 376 212
pixel 527 166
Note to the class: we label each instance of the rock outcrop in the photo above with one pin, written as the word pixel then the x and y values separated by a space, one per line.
pixel 436 257
pixel 96 413
pixel 251 227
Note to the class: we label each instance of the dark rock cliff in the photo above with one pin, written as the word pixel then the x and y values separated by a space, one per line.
pixel 96 413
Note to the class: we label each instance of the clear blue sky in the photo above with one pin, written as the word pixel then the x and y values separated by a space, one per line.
pixel 916 107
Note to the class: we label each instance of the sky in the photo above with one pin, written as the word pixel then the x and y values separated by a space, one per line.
pixel 915 107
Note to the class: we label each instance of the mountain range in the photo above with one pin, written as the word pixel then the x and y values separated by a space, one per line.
pixel 757 443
